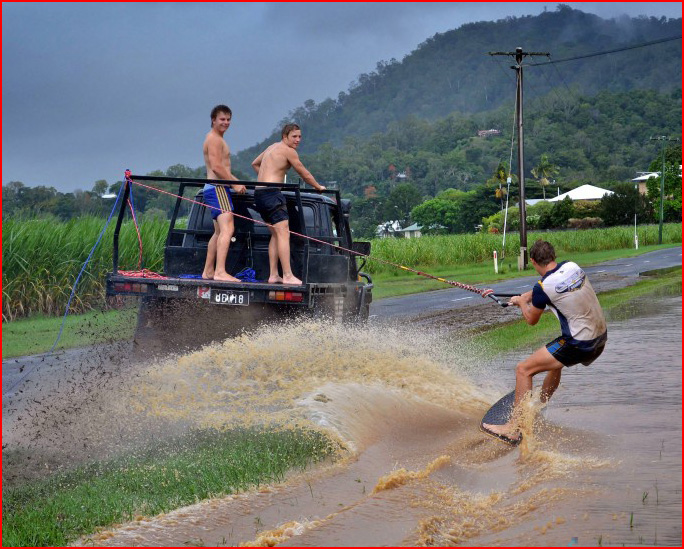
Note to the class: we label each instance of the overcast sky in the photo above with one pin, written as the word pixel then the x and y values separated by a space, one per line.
pixel 90 89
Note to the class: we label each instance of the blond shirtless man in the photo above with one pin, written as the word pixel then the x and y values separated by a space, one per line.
pixel 271 167
pixel 217 197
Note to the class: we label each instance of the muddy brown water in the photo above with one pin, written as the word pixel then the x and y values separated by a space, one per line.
pixel 601 467
pixel 602 463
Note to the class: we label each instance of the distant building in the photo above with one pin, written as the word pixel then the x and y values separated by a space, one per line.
pixel 642 178
pixel 583 192
pixel 488 133
pixel 412 231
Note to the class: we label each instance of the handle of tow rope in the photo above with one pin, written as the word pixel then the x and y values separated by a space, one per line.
pixel 495 298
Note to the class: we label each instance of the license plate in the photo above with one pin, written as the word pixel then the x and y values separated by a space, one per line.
pixel 229 297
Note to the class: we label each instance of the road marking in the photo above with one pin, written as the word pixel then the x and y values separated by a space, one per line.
pixel 462 298
pixel 603 271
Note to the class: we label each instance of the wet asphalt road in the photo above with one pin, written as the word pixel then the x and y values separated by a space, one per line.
pixel 608 275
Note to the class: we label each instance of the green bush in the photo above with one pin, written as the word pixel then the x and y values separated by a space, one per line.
pixel 585 223
pixel 587 208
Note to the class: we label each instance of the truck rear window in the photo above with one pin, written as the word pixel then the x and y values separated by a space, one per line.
pixel 246 210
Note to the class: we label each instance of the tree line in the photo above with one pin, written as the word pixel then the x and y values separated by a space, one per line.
pixel 602 140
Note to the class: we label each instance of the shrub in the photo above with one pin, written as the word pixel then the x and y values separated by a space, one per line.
pixel 585 223
pixel 587 208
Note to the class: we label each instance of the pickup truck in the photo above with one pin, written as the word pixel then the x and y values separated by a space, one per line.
pixel 179 310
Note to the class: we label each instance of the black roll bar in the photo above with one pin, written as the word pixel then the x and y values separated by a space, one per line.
pixel 184 182
pixel 117 229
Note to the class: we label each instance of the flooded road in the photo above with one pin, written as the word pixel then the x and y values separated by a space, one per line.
pixel 601 467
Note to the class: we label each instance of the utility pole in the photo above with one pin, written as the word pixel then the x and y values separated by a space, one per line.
pixel 519 55
pixel 662 138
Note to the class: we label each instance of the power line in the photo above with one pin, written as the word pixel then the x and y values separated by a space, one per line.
pixel 626 48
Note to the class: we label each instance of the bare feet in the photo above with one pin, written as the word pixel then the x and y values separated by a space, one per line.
pixel 207 276
pixel 291 279
pixel 275 280
pixel 226 278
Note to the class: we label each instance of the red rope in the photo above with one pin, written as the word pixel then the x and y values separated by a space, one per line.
pixel 144 273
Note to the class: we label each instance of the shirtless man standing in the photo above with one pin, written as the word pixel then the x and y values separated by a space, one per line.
pixel 217 160
pixel 271 167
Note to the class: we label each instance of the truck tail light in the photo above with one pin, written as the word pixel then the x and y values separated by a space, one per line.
pixel 296 297
pixel 129 287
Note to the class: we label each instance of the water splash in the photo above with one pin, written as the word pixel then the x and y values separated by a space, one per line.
pixel 276 375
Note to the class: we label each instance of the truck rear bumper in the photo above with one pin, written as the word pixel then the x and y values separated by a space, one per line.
pixel 221 293
pixel 191 288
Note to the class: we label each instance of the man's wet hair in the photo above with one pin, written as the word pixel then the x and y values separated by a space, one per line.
pixel 287 128
pixel 542 252
pixel 217 109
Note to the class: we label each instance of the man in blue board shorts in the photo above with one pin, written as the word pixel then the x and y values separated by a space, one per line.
pixel 565 289
pixel 217 197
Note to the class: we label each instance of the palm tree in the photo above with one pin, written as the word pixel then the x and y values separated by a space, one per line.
pixel 543 171
pixel 499 178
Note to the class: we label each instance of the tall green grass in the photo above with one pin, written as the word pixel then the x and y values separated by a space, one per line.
pixel 41 259
pixel 431 251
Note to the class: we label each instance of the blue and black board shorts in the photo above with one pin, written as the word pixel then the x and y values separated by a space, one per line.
pixel 218 199
pixel 271 205
pixel 569 353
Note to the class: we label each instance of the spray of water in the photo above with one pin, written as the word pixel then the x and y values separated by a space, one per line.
pixel 291 373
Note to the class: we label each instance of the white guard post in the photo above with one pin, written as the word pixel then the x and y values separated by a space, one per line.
pixel 496 263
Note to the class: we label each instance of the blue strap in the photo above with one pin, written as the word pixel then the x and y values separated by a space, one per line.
pixel 90 255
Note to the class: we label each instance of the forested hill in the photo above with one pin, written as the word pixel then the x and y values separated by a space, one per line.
pixel 452 72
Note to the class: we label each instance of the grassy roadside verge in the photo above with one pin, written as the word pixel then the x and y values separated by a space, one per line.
pixel 516 335
pixel 66 506
pixel 35 335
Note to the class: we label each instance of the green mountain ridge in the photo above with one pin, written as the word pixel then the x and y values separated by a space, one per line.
pixel 451 73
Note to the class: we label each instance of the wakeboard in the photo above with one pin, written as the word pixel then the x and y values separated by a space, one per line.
pixel 499 414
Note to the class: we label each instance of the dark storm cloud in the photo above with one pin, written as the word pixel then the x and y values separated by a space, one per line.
pixel 92 89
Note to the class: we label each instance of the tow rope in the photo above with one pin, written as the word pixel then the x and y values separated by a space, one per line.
pixel 484 292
